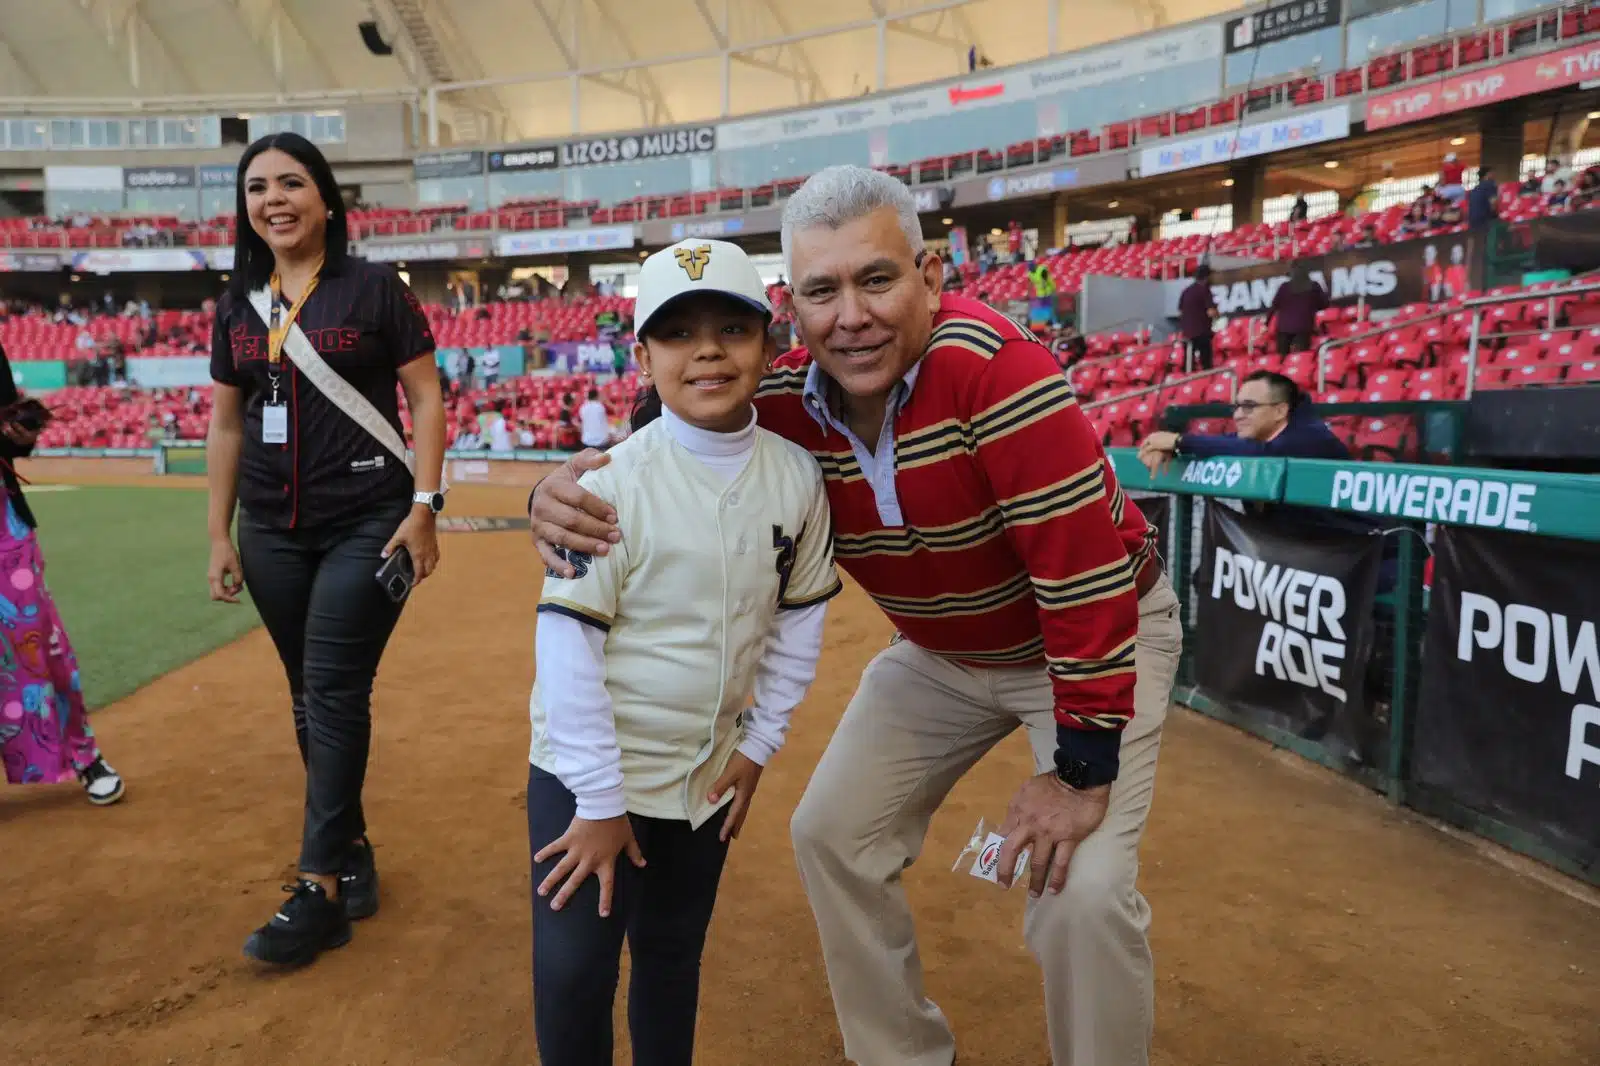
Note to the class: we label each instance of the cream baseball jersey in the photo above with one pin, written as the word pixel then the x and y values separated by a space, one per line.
pixel 687 602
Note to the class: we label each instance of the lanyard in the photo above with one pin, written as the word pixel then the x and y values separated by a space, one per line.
pixel 278 328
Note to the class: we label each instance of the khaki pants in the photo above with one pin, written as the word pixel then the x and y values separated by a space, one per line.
pixel 916 724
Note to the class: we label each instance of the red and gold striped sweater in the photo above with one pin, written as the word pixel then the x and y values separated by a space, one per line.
pixel 1017 545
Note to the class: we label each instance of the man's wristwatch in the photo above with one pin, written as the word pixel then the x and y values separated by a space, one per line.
pixel 1075 773
pixel 433 500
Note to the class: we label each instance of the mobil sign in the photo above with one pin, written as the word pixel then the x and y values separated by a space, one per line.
pixel 1329 124
pixel 1522 77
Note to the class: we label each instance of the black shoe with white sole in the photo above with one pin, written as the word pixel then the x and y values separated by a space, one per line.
pixel 358 882
pixel 102 784
pixel 307 924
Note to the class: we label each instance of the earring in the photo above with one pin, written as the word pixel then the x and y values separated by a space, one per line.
pixel 330 214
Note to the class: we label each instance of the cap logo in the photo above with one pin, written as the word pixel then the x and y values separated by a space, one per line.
pixel 694 260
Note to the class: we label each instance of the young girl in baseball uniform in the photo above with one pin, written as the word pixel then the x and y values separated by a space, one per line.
pixel 668 668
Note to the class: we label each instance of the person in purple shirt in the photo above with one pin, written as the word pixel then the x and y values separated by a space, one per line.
pixel 1294 309
pixel 1196 309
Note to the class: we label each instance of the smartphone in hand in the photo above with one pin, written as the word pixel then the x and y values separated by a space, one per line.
pixel 398 575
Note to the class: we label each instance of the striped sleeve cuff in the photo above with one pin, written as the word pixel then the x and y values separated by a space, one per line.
pixel 577 612
pixel 812 601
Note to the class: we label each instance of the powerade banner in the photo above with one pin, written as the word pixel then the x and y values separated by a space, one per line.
pixel 658 144
pixel 1508 722
pixel 1285 629
pixel 1429 270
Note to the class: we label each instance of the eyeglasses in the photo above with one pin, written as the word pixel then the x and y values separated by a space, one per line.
pixel 1250 405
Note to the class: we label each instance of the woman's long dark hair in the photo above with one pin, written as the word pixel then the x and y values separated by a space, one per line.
pixel 252 259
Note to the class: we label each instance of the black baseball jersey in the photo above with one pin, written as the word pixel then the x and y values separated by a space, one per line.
pixel 366 324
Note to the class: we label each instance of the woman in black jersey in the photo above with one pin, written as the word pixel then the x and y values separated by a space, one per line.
pixel 324 499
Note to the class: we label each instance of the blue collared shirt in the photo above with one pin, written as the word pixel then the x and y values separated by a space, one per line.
pixel 877 464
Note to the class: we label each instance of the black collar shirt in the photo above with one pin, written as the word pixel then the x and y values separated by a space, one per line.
pixel 366 324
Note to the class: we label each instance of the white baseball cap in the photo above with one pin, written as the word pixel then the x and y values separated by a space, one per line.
pixel 1450 157
pixel 696 266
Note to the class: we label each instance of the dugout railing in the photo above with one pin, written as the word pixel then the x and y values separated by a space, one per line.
pixel 1411 504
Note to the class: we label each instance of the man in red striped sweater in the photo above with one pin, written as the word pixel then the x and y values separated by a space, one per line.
pixel 974 503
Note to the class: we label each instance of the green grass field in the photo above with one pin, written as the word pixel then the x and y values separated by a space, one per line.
pixel 127 567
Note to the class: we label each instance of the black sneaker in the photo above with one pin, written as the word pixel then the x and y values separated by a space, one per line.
pixel 307 924
pixel 102 784
pixel 358 882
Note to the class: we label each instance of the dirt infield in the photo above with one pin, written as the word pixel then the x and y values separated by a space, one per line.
pixel 1299 921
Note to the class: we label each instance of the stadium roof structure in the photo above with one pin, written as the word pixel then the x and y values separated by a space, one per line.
pixel 497 71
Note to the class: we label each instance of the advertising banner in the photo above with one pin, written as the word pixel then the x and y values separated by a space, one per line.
pixel 1508 723
pixel 1430 270
pixel 1285 630
pixel 1520 77
pixel 1279 22
pixel 1246 478
pixel 1128 59
pixel 169 372
pixel 219 176
pixel 422 251
pixel 558 241
pixel 1566 242
pixel 524 157
pixel 158 177
pixel 1523 501
pixel 1260 138
pixel 657 144
pixel 138 260
pixel 447 165
pixel 29 262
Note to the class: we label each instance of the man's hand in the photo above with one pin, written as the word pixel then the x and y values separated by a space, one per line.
pixel 590 848
pixel 1052 818
pixel 1157 451
pixel 19 435
pixel 563 514
pixel 742 774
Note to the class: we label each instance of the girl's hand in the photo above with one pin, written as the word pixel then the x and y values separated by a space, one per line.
pixel 742 774
pixel 590 848
pixel 420 535
pixel 224 574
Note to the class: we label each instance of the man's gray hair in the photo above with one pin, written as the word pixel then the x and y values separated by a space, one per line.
pixel 836 196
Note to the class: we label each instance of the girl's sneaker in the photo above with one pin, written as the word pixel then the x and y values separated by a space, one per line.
pixel 101 782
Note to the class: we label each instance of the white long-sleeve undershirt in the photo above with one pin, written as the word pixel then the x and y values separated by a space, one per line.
pixel 579 724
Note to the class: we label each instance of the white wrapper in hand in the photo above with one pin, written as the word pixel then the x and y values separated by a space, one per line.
pixel 984 847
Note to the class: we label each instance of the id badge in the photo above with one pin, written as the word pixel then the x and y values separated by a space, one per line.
pixel 275 423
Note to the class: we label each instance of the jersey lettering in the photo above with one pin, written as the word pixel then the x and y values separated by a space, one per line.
pixel 579 560
pixel 785 563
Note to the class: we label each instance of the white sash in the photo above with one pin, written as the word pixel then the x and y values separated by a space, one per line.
pixel 333 385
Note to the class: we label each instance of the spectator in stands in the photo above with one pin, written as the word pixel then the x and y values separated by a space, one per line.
pixel 324 497
pixel 594 422
pixel 45 736
pixel 1011 478
pixel 1368 238
pixel 1014 241
pixel 1555 173
pixel 1483 202
pixel 1451 178
pixel 1197 309
pixel 1301 211
pixel 1294 309
pixel 491 367
pixel 1556 199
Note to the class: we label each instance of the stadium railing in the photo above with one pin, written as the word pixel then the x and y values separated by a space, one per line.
pixel 1410 499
